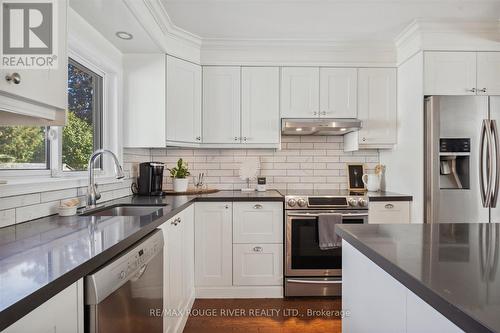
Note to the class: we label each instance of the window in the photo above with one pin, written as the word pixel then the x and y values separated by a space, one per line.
pixel 83 132
pixel 24 147
pixel 28 148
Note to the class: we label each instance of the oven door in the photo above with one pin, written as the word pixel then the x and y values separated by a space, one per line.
pixel 303 255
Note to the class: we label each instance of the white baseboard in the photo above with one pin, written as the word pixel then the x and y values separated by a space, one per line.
pixel 240 292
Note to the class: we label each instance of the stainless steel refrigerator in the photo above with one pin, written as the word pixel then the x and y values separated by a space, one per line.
pixel 462 159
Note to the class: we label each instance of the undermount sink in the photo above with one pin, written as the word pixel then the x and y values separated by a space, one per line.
pixel 124 210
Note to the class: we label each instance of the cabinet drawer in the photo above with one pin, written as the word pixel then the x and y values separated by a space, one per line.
pixel 389 212
pixel 257 264
pixel 258 222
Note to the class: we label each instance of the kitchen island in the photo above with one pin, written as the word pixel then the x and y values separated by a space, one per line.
pixel 421 278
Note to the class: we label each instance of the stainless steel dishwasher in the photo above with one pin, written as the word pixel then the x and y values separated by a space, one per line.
pixel 123 295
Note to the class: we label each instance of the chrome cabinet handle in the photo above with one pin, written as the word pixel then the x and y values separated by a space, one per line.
pixel 198 138
pixel 483 90
pixel 323 113
pixel 472 90
pixel 257 249
pixel 236 138
pixel 14 78
pixel 364 139
pixel 176 221
pixel 389 206
pixel 315 113
pixel 226 206
pixel 245 138
pixel 257 206
pixel 179 220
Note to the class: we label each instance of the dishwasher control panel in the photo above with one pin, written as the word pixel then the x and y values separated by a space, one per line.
pixel 128 266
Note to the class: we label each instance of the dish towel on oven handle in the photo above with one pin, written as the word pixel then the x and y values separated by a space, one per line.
pixel 328 239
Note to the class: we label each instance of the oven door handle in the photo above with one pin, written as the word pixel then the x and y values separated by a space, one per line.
pixel 315 281
pixel 317 215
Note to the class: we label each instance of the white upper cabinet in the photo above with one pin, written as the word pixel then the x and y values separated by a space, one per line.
pixel 260 117
pixel 144 100
pixel 377 110
pixel 221 105
pixel 338 92
pixel 38 96
pixel 488 73
pixel 450 73
pixel 183 101
pixel 299 92
pixel 377 105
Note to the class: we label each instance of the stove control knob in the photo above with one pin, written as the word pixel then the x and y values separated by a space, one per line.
pixel 301 202
pixel 352 202
pixel 292 202
pixel 362 202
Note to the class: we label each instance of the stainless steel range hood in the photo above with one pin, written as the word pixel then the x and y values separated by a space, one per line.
pixel 319 126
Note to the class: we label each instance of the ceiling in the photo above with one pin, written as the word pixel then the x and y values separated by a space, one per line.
pixel 110 16
pixel 332 20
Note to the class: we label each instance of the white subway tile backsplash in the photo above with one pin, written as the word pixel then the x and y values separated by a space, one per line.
pixel 19 200
pixel 302 162
pixel 32 212
pixel 57 195
pixel 7 217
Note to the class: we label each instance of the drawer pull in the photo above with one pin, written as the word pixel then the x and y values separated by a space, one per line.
pixel 257 249
pixel 226 206
pixel 257 206
pixel 389 206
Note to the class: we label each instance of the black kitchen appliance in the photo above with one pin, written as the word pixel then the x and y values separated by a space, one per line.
pixel 150 178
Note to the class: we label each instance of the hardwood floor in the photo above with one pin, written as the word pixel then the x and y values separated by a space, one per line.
pixel 294 315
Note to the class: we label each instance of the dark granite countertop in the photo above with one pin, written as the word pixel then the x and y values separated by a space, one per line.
pixel 40 258
pixel 453 267
pixel 388 196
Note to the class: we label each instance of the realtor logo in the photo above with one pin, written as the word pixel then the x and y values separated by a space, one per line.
pixel 28 35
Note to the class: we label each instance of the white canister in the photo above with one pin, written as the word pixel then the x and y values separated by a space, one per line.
pixel 372 182
pixel 180 184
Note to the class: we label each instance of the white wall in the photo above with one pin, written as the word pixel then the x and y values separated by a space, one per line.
pixel 405 163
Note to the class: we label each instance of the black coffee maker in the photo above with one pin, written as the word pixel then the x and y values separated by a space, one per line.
pixel 150 178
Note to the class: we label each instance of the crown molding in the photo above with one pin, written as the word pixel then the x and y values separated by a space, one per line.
pixel 449 35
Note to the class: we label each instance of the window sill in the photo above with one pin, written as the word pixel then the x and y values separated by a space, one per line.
pixel 20 186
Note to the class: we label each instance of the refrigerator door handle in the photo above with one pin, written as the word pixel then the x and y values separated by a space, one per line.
pixel 494 190
pixel 485 133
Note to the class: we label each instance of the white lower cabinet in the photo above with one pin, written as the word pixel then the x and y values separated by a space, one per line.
pixel 378 303
pixel 63 313
pixel 257 264
pixel 258 222
pixel 178 279
pixel 238 249
pixel 213 239
pixel 389 212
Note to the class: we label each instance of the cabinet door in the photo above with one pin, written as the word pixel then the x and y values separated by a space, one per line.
pixel 299 92
pixel 174 275
pixel 258 264
pixel 46 86
pixel 213 239
pixel 260 105
pixel 488 72
pixel 183 101
pixel 338 92
pixel 61 313
pixel 187 218
pixel 258 222
pixel 221 104
pixel 449 73
pixel 377 105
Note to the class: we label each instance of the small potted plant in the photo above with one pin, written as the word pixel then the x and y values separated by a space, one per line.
pixel 179 175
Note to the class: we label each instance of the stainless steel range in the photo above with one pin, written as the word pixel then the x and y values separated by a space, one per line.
pixel 310 271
